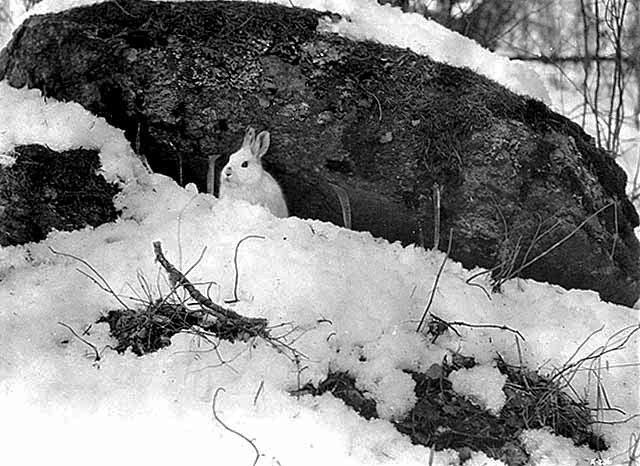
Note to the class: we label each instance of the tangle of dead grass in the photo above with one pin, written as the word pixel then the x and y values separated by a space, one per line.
pixel 507 268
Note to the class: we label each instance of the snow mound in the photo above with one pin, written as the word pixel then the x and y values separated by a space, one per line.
pixel 26 117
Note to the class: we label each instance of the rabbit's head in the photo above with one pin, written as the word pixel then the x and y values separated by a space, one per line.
pixel 245 165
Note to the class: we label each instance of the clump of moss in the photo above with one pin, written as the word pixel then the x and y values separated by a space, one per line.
pixel 45 190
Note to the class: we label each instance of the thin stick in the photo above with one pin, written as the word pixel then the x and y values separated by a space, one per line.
pixel 435 283
pixel 86 342
pixel 436 216
pixel 499 327
pixel 634 441
pixel 94 280
pixel 520 359
pixel 496 205
pixel 604 349
pixel 616 234
pixel 123 10
pixel 200 257
pixel 345 204
pixel 235 265
pixel 551 248
pixel 468 281
pixel 533 241
pixel 260 388
pixel 510 264
pixel 184 208
pixel 144 285
pixel 581 345
pixel 634 191
pixel 244 437
pixel 622 421
pixel 104 282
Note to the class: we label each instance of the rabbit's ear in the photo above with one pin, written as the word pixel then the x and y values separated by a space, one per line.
pixel 261 144
pixel 249 137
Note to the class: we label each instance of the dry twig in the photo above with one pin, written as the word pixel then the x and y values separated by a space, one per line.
pixel 499 327
pixel 235 266
pixel 435 283
pixel 102 284
pixel 253 326
pixel 242 436
pixel 83 340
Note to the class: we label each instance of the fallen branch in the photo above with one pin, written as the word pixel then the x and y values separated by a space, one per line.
pixel 225 317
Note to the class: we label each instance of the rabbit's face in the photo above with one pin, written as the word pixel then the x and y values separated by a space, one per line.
pixel 243 168
pixel 245 165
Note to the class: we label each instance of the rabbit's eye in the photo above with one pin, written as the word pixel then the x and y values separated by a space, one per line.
pixel 245 164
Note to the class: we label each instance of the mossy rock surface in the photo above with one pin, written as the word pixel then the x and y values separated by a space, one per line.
pixel 388 126
pixel 45 190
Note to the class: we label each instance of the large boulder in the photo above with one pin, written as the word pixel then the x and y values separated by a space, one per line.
pixel 390 130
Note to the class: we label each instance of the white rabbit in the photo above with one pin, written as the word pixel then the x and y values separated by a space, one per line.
pixel 244 178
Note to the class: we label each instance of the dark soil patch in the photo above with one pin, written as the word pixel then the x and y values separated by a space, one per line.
pixel 343 386
pixel 444 419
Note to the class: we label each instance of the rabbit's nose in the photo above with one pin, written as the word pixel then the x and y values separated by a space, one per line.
pixel 227 172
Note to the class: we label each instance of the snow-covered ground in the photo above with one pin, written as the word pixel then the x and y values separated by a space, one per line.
pixel 350 301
